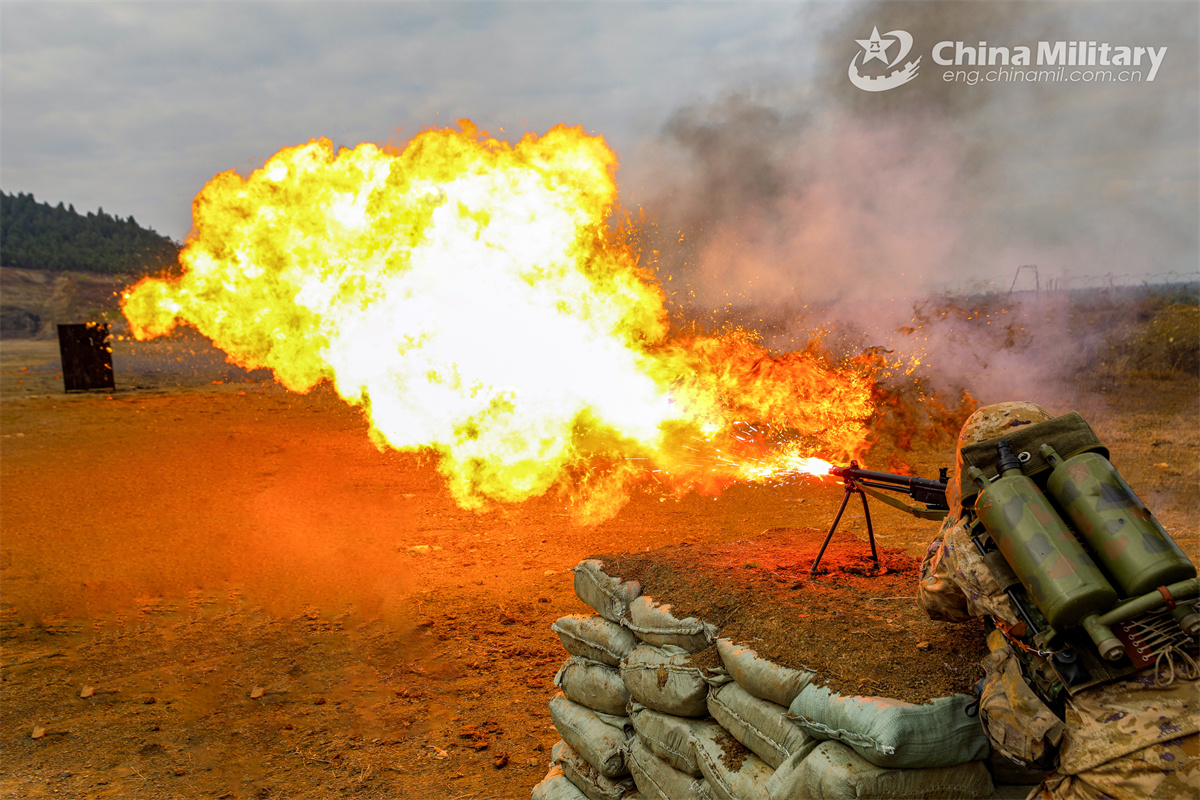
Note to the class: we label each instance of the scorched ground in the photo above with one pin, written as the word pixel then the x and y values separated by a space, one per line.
pixel 257 602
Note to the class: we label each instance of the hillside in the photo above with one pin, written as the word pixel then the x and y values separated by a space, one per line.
pixel 59 266
pixel 34 301
pixel 56 238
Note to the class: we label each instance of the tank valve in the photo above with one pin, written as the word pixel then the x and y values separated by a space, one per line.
pixel 1107 643
pixel 1188 618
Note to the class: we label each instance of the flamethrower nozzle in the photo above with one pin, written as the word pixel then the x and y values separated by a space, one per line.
pixel 844 472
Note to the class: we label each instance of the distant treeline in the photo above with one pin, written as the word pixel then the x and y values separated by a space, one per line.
pixel 37 235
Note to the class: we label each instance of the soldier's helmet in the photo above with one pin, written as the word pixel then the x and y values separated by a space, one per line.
pixel 992 422
pixel 989 422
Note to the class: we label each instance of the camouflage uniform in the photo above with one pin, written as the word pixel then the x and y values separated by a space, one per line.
pixel 1129 739
pixel 1126 739
pixel 955 583
pixel 1014 718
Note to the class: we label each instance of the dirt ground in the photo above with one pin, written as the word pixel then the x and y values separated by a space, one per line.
pixel 213 588
pixel 854 624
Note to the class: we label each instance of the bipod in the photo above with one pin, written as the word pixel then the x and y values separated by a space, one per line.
pixel 852 487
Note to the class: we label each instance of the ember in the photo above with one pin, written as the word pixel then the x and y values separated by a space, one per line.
pixel 471 297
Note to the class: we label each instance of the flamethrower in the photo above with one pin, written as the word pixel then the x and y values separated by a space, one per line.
pixel 1096 565
pixel 1102 587
pixel 863 482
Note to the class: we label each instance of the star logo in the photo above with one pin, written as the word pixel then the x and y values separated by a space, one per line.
pixel 876 47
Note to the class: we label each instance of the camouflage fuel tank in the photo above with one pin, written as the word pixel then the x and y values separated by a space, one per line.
pixel 1127 540
pixel 1061 578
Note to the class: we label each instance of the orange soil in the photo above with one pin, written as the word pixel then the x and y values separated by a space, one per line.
pixel 228 573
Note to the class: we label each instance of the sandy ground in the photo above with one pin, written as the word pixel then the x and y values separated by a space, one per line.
pixel 225 590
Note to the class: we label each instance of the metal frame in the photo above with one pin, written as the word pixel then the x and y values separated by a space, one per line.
pixel 852 487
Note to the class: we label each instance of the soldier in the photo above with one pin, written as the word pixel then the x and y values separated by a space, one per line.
pixel 1130 738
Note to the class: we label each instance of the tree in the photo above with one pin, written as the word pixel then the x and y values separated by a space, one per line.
pixel 40 236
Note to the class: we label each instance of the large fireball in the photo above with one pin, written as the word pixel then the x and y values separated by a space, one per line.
pixel 471 297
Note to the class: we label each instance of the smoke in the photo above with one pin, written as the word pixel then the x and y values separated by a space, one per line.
pixel 872 216
pixel 790 210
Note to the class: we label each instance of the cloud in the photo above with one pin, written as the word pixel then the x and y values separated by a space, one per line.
pixel 134 106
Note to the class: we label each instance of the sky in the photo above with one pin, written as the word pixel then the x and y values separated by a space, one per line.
pixel 766 172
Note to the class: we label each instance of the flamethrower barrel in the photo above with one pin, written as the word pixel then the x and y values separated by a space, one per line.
pixel 890 481
pixel 910 490
pixel 930 492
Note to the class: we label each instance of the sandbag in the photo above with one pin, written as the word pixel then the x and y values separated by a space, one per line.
pixel 670 737
pixel 655 624
pixel 585 777
pixel 663 679
pixel 731 772
pixel 592 636
pixel 761 726
pixel 555 786
pixel 609 596
pixel 760 677
pixel 833 771
pixel 658 780
pixel 892 733
pixel 600 743
pixel 589 683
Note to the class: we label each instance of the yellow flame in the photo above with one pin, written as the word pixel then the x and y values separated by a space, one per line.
pixel 470 296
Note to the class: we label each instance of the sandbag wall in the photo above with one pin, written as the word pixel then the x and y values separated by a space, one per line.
pixel 646 710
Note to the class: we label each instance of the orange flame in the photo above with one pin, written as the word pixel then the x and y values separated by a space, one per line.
pixel 469 295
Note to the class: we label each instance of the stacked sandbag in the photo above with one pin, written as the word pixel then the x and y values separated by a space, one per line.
pixel 892 733
pixel 730 771
pixel 760 677
pixel 669 704
pixel 630 679
pixel 655 624
pixel 658 780
pixel 834 771
pixel 599 737
pixel 609 596
pixel 594 638
pixel 555 786
pixel 593 684
pixel 653 699
pixel 665 679
pixel 759 725
pixel 580 773
pixel 670 738
pixel 591 713
pixel 848 747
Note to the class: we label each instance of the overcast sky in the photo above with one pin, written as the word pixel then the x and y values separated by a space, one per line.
pixel 134 106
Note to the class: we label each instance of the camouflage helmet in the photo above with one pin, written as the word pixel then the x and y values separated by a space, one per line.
pixel 989 422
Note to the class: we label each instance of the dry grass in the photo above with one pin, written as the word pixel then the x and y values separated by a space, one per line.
pixel 1167 343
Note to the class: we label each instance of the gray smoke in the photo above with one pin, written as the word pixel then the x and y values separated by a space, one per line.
pixel 819 205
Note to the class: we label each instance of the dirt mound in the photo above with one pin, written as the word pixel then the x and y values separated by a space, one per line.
pixel 856 624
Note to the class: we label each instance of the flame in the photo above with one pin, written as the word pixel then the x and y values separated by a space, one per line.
pixel 471 297
pixel 803 465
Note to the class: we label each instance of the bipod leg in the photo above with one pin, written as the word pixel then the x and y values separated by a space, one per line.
pixel 833 527
pixel 870 530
